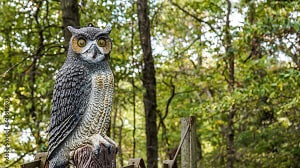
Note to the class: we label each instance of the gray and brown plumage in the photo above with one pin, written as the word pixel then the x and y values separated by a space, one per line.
pixel 82 97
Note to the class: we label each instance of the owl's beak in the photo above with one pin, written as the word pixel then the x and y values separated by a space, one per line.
pixel 95 52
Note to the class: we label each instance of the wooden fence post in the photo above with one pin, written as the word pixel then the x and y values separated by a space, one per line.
pixel 188 149
pixel 84 157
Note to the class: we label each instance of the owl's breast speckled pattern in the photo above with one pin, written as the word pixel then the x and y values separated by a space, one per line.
pixel 100 102
pixel 96 119
pixel 99 81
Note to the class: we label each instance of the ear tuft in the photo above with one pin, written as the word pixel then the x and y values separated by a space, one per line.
pixel 71 29
pixel 108 28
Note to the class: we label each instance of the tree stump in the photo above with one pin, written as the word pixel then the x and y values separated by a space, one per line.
pixel 85 157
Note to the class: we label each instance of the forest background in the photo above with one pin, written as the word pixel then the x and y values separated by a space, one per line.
pixel 235 65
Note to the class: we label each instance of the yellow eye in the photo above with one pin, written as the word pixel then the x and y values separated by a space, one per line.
pixel 101 42
pixel 81 42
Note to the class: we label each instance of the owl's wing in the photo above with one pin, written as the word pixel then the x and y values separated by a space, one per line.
pixel 70 98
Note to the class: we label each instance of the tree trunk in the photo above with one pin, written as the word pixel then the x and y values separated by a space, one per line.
pixel 133 79
pixel 70 17
pixel 149 84
pixel 231 83
pixel 254 53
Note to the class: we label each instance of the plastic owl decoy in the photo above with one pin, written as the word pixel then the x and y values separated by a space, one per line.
pixel 82 97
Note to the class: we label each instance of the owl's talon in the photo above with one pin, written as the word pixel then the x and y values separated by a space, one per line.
pixel 113 145
pixel 109 149
pixel 108 146
pixel 98 151
pixel 112 149
pixel 98 140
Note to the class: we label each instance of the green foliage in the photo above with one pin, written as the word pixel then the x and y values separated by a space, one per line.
pixel 189 52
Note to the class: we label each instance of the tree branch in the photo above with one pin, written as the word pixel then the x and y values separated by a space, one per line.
pixel 193 16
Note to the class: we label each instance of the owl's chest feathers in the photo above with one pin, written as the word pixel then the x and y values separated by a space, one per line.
pixel 97 115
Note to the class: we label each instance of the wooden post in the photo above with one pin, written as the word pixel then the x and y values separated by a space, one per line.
pixel 188 149
pixel 85 158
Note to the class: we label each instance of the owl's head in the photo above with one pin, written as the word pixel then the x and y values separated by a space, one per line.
pixel 90 43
